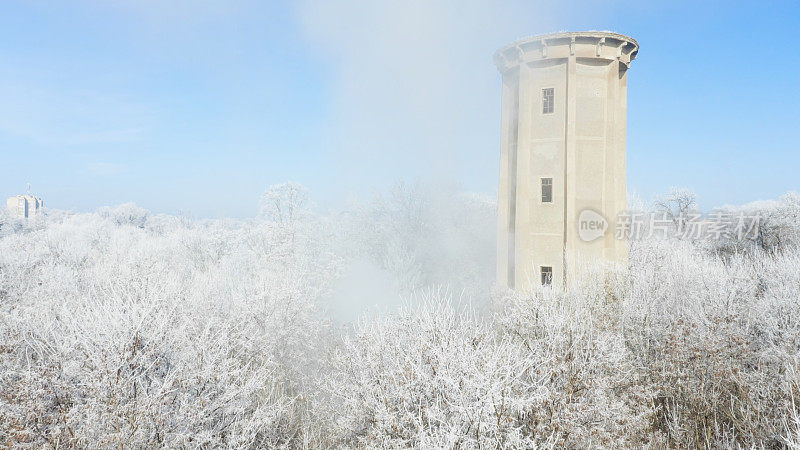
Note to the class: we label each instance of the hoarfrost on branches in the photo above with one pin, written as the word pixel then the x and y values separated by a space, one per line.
pixel 124 328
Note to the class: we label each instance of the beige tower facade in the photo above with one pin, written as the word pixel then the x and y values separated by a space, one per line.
pixel 562 159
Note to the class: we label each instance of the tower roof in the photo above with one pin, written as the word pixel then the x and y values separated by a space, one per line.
pixel 583 44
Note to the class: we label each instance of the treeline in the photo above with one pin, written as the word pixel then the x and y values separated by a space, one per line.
pixel 123 328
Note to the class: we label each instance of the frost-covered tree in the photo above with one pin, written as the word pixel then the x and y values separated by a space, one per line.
pixel 431 377
pixel 775 225
pixel 123 328
pixel 284 203
pixel 677 206
pixel 428 236
pixel 115 334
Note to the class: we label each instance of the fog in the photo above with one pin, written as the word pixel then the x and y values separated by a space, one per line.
pixel 273 225
pixel 415 94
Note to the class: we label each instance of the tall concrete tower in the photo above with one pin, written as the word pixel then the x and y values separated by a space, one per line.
pixel 562 158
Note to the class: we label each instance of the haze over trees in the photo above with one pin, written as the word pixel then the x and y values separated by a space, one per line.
pixel 122 328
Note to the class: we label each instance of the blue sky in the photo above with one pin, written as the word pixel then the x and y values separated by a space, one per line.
pixel 196 106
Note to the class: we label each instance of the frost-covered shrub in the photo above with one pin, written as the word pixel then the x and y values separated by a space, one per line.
pixel 589 392
pixel 128 329
pixel 10 224
pixel 685 350
pixel 125 214
pixel 547 370
pixel 716 342
pixel 777 226
pixel 192 335
pixel 432 377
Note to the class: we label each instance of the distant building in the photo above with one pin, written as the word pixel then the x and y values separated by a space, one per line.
pixel 24 206
pixel 562 160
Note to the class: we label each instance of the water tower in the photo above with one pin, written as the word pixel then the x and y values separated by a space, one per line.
pixel 562 158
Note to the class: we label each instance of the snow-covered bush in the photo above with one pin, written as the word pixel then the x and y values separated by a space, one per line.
pixel 589 392
pixel 124 328
pixel 717 341
pixel 431 377
pixel 777 226
pixel 113 335
pixel 125 214
pixel 10 224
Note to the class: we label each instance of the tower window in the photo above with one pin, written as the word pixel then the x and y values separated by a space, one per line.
pixel 547 276
pixel 547 101
pixel 547 190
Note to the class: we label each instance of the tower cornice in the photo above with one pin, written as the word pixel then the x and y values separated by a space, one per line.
pixel 580 44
